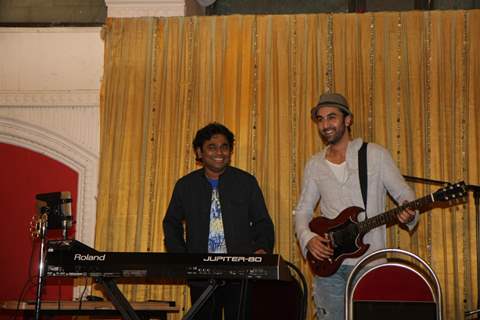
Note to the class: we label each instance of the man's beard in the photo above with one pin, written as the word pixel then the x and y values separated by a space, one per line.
pixel 336 137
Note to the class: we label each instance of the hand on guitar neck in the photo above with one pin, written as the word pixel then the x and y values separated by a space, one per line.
pixel 406 216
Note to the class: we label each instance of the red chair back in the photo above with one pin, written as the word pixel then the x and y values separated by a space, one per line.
pixel 392 283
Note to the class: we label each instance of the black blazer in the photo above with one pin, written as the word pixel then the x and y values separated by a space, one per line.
pixel 246 222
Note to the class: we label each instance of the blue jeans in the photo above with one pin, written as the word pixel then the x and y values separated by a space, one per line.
pixel 329 294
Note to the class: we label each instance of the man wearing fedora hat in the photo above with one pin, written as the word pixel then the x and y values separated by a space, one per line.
pixel 332 179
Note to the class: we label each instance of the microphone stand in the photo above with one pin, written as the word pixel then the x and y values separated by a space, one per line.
pixel 425 180
pixel 41 264
pixel 475 189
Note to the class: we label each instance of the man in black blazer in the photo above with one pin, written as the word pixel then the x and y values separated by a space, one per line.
pixel 223 211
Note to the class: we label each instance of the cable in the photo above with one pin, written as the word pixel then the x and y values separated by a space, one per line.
pixel 81 299
pixel 243 298
pixel 83 293
pixel 59 299
pixel 28 283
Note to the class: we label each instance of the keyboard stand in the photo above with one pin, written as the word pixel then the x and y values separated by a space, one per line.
pixel 213 284
pixel 117 298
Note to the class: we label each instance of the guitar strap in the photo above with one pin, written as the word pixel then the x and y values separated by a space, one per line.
pixel 362 172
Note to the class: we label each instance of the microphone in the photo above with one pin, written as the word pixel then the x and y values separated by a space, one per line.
pixel 66 212
pixel 66 206
pixel 57 206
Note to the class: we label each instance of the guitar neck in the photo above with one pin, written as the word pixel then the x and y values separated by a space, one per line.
pixel 391 215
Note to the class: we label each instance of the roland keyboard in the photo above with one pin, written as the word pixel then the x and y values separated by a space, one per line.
pixel 71 258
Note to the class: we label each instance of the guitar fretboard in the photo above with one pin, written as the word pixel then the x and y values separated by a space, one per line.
pixel 391 215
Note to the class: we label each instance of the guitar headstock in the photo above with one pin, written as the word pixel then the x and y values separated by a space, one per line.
pixel 451 192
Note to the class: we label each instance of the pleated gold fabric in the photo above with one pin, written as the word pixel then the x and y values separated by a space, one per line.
pixel 412 78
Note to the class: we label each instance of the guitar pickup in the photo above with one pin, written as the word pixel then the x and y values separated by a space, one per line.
pixel 333 244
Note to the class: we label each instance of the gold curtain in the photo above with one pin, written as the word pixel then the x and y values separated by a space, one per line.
pixel 412 78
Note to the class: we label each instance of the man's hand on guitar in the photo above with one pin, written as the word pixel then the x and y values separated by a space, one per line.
pixel 406 216
pixel 319 246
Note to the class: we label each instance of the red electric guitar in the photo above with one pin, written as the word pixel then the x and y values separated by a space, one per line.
pixel 346 232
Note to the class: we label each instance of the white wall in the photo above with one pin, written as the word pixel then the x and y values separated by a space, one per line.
pixel 49 102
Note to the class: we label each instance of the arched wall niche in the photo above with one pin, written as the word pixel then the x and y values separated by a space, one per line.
pixel 66 151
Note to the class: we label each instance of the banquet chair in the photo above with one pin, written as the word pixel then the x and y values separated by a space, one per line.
pixel 402 287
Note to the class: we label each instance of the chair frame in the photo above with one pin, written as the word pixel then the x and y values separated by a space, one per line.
pixel 351 284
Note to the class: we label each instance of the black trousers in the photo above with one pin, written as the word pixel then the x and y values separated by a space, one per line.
pixel 225 299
